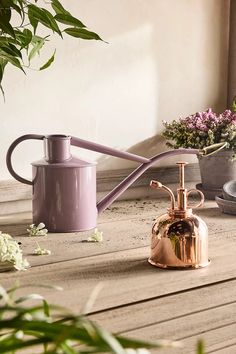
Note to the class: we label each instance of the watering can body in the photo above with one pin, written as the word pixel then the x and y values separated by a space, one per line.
pixel 64 194
pixel 59 199
pixel 64 187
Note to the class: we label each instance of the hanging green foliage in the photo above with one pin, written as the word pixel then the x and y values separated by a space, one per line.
pixel 21 22
pixel 49 329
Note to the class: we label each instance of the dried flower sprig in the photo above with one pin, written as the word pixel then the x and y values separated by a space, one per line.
pixel 96 236
pixel 10 252
pixel 41 251
pixel 202 129
pixel 39 230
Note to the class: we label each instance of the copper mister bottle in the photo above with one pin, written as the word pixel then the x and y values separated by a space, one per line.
pixel 179 238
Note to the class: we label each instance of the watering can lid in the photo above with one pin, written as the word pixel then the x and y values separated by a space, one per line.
pixel 73 162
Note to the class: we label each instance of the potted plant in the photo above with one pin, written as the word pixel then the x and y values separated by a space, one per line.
pixel 203 129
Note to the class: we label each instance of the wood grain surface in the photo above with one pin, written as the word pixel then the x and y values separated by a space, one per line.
pixel 137 299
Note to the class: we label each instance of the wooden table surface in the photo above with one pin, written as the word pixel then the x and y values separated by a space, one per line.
pixel 138 300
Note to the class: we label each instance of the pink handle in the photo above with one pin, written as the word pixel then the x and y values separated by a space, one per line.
pixel 12 148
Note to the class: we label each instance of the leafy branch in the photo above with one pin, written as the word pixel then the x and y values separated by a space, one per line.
pixel 53 330
pixel 20 24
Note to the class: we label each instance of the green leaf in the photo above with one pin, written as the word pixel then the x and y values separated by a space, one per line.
pixel 69 20
pixel 3 93
pixel 1 73
pixel 11 344
pixel 36 39
pixel 32 18
pixel 6 39
pixel 67 349
pixel 110 340
pixel 17 8
pixel 11 49
pixel 82 33
pixel 58 8
pixel 11 59
pixel 7 28
pixel 3 63
pixel 200 347
pixel 5 11
pixel 52 23
pixel 36 49
pixel 46 308
pixel 7 3
pixel 37 14
pixel 21 5
pixel 49 62
pixel 23 38
pixel 27 37
pixel 28 297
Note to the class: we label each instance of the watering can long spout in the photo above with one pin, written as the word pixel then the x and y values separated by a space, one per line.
pixel 118 190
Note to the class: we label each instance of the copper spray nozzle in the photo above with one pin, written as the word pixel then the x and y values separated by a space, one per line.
pixel 159 185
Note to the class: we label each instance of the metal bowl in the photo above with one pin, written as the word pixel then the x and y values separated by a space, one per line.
pixel 226 206
pixel 229 190
pixel 209 194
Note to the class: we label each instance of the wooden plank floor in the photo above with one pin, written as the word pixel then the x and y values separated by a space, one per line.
pixel 137 299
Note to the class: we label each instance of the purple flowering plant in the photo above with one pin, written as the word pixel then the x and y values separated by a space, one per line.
pixel 202 129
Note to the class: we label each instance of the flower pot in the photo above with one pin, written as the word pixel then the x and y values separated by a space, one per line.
pixel 216 170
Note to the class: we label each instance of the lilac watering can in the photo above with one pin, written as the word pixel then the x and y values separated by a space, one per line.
pixel 64 187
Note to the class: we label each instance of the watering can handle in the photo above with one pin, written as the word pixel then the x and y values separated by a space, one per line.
pixel 12 148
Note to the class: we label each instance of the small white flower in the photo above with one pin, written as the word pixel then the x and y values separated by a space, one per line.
pixel 137 351
pixel 39 230
pixel 10 252
pixel 28 317
pixel 97 236
pixel 41 251
pixel 19 334
pixel 41 226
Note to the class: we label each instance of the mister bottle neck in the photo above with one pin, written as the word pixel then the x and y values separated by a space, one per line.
pixel 180 214
pixel 182 198
pixel 181 191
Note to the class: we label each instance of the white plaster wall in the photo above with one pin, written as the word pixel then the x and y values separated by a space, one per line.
pixel 165 58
